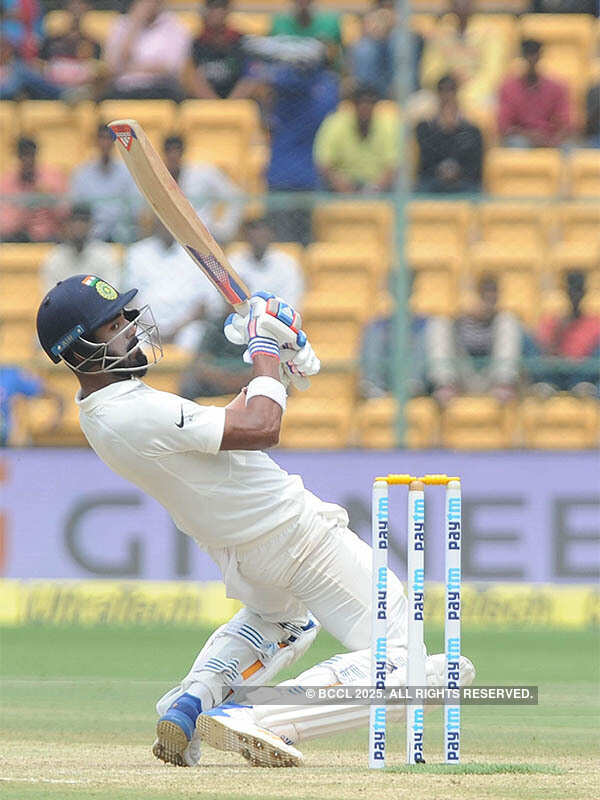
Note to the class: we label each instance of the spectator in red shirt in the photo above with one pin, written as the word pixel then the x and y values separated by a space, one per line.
pixel 32 207
pixel 217 62
pixel 574 336
pixel 533 109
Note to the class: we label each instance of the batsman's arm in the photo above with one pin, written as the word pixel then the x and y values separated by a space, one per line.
pixel 256 424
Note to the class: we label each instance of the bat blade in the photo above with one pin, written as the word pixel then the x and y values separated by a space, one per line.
pixel 175 211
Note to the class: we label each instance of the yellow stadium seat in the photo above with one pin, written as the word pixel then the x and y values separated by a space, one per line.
pixel 333 385
pixel 18 338
pixel 477 423
pixel 522 226
pixel 523 173
pixel 563 422
pixel 157 117
pixel 95 24
pixel 502 25
pixel 567 256
pixel 369 223
pixel 9 131
pixel 68 434
pixel 436 278
pixel 344 273
pixel 377 418
pixel 518 273
pixel 584 173
pixel 579 223
pixel 424 24
pixel 164 379
pixel 64 133
pixel 221 132
pixel 312 425
pixel 20 293
pixel 335 331
pixel 443 225
pixel 23 257
pixel 250 24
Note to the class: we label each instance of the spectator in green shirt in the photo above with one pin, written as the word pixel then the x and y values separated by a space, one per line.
pixel 357 147
pixel 303 21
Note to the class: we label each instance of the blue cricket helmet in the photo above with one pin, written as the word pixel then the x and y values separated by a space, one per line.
pixel 73 309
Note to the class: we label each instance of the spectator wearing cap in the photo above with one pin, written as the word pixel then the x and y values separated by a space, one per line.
pixel 216 67
pixel 265 267
pixel 357 147
pixel 32 198
pixel 450 148
pixel 533 109
pixel 217 200
pixel 475 54
pixel 303 20
pixel 80 252
pixel 146 52
pixel 106 185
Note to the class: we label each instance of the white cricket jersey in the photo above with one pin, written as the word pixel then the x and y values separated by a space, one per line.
pixel 169 447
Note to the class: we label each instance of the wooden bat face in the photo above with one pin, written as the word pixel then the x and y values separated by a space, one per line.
pixel 175 211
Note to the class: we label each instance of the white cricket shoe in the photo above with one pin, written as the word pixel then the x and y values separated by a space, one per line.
pixel 232 728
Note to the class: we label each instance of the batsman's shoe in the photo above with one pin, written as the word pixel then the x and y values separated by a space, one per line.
pixel 175 731
pixel 229 728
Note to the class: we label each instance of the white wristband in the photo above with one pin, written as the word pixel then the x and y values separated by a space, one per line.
pixel 267 387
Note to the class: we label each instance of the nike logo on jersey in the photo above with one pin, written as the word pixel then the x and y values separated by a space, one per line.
pixel 180 423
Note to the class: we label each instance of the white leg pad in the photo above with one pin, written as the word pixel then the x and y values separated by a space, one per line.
pixel 247 650
pixel 300 723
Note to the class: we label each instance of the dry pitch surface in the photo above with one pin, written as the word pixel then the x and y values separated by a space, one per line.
pixel 77 722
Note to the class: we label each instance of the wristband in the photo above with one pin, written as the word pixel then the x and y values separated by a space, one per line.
pixel 267 387
pixel 263 346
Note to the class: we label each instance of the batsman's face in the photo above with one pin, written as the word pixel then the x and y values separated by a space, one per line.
pixel 121 335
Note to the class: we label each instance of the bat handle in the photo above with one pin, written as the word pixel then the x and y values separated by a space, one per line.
pixel 243 309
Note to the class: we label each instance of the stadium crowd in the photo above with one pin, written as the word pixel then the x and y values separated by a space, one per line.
pixel 323 86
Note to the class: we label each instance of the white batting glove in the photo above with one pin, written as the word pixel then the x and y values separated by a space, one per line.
pixel 272 326
pixel 294 367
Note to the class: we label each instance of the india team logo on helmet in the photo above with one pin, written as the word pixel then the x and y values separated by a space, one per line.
pixel 103 288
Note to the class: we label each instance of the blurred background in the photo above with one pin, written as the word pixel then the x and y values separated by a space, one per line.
pixel 421 180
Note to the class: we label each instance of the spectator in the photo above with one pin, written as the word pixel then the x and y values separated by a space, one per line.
pixel 302 92
pixel 22 26
pixel 79 252
pixel 20 80
pixel 450 148
pixel 216 369
pixel 72 58
pixel 533 109
pixel 146 52
pixel 321 25
pixel 17 382
pixel 377 363
pixel 357 147
pixel 574 336
pixel 264 267
pixel 180 296
pixel 105 183
pixel 474 54
pixel 31 209
pixel 217 58
pixel 479 352
pixel 372 59
pixel 217 200
pixel 592 121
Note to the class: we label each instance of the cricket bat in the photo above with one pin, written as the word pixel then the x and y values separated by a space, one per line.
pixel 175 211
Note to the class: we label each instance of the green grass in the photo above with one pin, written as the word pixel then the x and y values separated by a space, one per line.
pixel 77 720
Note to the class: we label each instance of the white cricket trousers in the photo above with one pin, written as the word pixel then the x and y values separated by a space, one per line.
pixel 322 569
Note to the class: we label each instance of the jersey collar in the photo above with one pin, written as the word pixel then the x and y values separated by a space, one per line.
pixel 106 394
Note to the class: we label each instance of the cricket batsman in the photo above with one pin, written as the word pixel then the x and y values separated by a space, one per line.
pixel 289 557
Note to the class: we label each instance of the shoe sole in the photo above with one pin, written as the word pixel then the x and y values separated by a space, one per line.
pixel 257 750
pixel 170 743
